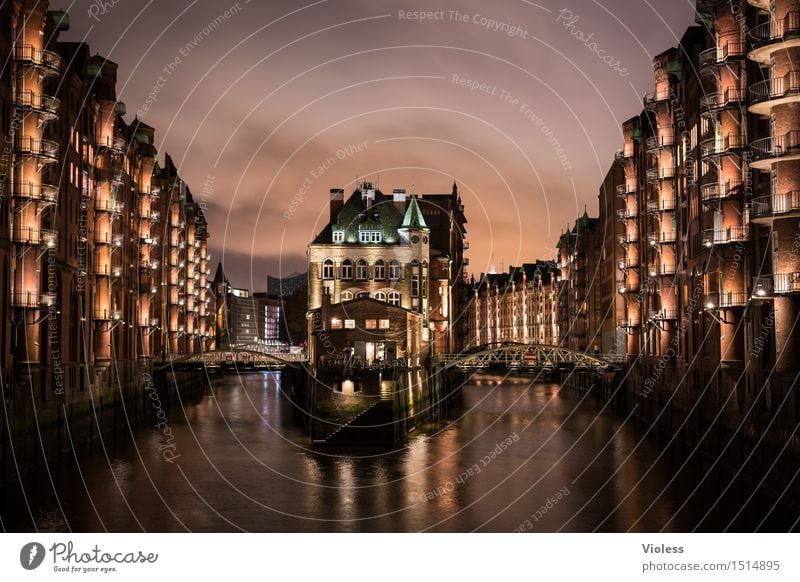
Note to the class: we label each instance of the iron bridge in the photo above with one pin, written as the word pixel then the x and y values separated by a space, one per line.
pixel 512 355
pixel 233 357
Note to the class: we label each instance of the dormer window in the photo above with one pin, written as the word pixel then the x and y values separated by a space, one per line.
pixel 338 236
pixel 369 236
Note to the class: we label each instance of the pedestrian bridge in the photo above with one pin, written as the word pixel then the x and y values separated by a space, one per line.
pixel 235 358
pixel 535 357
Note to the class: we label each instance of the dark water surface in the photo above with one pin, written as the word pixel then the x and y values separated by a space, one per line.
pixel 513 456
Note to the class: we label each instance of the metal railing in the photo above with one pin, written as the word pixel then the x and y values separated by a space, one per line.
pixel 776 204
pixel 116 145
pixel 721 100
pixel 663 205
pixel 717 191
pixel 42 192
pixel 48 61
pixel 725 236
pixel 777 88
pixel 34 236
pixel 656 238
pixel 718 55
pixel 663 173
pixel 41 148
pixel 776 31
pixel 661 140
pixel 662 314
pixel 777 146
pixel 627 213
pixel 44 104
pixel 107 314
pixel 722 145
pixel 623 191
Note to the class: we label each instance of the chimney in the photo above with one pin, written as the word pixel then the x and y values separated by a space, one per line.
pixel 399 200
pixel 337 200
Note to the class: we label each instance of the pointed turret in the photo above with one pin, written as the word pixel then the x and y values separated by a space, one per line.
pixel 413 218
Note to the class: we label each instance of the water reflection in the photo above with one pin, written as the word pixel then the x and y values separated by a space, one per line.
pixel 245 464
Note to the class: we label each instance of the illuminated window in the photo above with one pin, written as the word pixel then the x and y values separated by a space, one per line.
pixel 336 323
pixel 394 270
pixel 361 270
pixel 384 324
pixel 394 298
pixel 371 324
pixel 349 323
pixel 380 296
pixel 327 269
pixel 380 270
pixel 347 269
pixel 369 236
pixel 338 236
pixel 347 295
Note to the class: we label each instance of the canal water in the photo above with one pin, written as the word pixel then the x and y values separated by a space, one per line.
pixel 513 456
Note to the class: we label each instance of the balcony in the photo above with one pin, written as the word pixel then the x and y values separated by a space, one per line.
pixel 48 62
pixel 733 97
pixel 765 95
pixel 112 175
pixel 663 270
pixel 775 35
pixel 106 238
pixel 44 150
pixel 107 314
pixel 44 193
pixel 713 193
pixel 624 214
pixel 29 235
pixel 658 238
pixel 663 205
pixel 656 174
pixel 110 206
pixel 624 191
pixel 662 315
pixel 629 263
pixel 725 236
pixel 663 140
pixel 629 287
pixel 147 321
pixel 654 98
pixel 45 105
pixel 725 300
pixel 779 284
pixel 114 145
pixel 722 55
pixel 731 143
pixel 106 270
pixel 771 150
pixel 626 239
pixel 623 154
pixel 629 322
pixel 784 205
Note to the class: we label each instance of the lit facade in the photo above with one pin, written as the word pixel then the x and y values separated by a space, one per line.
pixel 519 306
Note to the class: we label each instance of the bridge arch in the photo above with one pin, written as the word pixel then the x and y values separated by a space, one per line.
pixel 514 355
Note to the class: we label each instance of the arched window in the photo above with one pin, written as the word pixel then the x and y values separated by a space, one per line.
pixel 327 269
pixel 362 295
pixel 347 295
pixel 361 270
pixel 380 270
pixel 394 270
pixel 394 298
pixel 380 296
pixel 347 269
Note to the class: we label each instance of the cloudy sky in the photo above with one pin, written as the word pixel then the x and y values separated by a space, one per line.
pixel 267 104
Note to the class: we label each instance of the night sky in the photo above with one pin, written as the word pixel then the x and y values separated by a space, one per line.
pixel 266 105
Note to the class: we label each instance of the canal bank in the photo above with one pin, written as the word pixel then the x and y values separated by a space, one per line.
pixel 36 428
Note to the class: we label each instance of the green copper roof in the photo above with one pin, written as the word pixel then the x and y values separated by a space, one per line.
pixel 413 217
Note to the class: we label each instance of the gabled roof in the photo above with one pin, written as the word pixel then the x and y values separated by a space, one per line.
pixel 355 214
